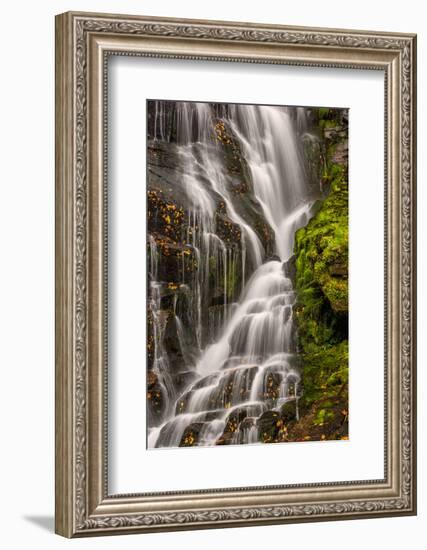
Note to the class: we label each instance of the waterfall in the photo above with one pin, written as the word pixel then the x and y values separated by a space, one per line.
pixel 268 138
pixel 204 166
pixel 247 367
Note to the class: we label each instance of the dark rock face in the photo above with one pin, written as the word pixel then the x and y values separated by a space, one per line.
pixel 290 269
pixel 161 120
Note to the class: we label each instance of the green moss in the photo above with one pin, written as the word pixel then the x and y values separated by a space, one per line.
pixel 325 373
pixel 323 112
pixel 321 260
pixel 321 250
pixel 232 280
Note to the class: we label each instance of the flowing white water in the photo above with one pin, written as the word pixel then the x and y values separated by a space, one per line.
pixel 204 164
pixel 270 148
pixel 249 368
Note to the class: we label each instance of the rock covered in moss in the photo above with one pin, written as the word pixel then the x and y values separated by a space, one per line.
pixel 321 250
pixel 321 276
pixel 288 411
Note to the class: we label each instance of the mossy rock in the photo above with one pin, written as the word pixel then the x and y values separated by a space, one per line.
pixel 326 419
pixel 321 310
pixel 321 260
pixel 288 411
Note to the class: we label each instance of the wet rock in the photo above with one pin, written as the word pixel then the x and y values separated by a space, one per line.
pixel 176 261
pixel 161 120
pixel 173 235
pixel 217 316
pixel 150 339
pixel 239 421
pixel 313 153
pixel 227 231
pixel 182 404
pixel 165 174
pixel 152 379
pixel 183 379
pixel 289 268
pixel 227 438
pixel 248 423
pixel 273 258
pixel 191 434
pixel 156 402
pixel 272 385
pixel 288 411
pixel 224 394
pixel 248 431
pixel 270 427
pixel 234 419
pixel 241 186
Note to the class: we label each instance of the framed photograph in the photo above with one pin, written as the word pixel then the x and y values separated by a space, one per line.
pixel 235 274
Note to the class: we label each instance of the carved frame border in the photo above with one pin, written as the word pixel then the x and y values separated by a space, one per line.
pixel 83 43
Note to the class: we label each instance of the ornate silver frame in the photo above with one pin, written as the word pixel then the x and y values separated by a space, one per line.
pixel 83 42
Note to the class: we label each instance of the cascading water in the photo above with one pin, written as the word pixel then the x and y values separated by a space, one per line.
pixel 250 367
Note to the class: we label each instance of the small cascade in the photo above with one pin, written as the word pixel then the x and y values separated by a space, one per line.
pixel 162 125
pixel 246 359
pixel 161 368
pixel 249 367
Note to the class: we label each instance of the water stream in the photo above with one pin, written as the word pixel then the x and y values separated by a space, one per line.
pixel 250 366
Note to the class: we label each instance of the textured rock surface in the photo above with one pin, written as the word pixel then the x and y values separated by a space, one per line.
pixel 321 260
